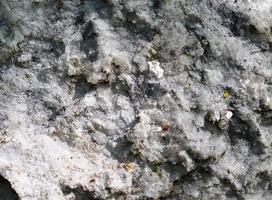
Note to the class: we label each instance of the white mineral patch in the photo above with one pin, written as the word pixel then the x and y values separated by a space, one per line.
pixel 154 66
pixel 229 114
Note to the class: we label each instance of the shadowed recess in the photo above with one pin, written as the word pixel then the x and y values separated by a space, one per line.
pixel 6 191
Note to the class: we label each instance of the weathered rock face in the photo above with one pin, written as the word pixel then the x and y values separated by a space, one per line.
pixel 135 99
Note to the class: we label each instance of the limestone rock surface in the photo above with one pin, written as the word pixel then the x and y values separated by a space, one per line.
pixel 135 99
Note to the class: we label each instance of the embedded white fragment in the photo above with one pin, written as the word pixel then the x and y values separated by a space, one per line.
pixel 154 66
pixel 229 114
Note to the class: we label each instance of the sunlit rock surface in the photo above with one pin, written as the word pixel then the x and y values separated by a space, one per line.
pixel 135 99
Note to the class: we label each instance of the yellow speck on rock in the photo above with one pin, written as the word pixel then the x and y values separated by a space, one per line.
pixel 128 167
pixel 226 94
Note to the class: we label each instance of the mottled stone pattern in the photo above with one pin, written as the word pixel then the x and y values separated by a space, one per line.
pixel 135 99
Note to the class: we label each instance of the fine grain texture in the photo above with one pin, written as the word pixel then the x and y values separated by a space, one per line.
pixel 135 99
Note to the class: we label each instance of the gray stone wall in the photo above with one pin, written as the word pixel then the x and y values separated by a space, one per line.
pixel 135 99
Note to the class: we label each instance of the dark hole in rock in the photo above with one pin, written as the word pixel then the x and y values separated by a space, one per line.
pixel 136 26
pixel 57 47
pixel 120 87
pixel 89 42
pixel 252 29
pixel 82 87
pixel 243 129
pixel 6 191
pixel 154 91
pixel 54 113
pixel 264 180
pixel 103 7
pixel 79 192
pixel 156 4
pixel 80 19
pixel 121 150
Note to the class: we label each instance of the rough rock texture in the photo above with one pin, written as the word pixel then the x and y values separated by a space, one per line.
pixel 135 99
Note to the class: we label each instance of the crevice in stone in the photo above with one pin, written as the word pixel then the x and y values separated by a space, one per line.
pixel 57 46
pixel 79 192
pixel 200 173
pixel 82 87
pixel 89 43
pixel 121 150
pixel 265 113
pixel 153 90
pixel 140 28
pixel 264 181
pixel 157 4
pixel 192 24
pixel 240 128
pixel 232 192
pixel 240 26
pixel 6 191
pixel 104 8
